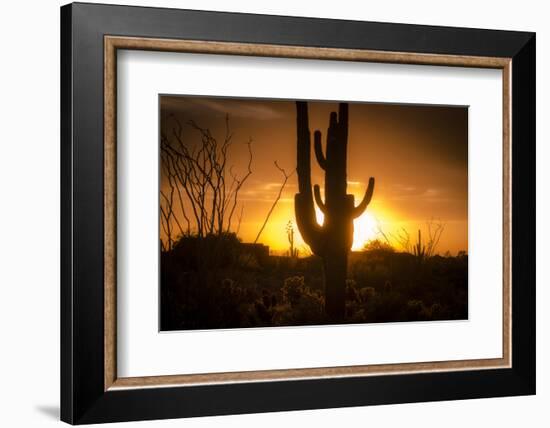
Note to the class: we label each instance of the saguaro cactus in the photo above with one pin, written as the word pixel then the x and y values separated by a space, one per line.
pixel 419 250
pixel 333 239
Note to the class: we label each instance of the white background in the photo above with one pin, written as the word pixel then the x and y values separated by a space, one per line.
pixel 29 214
pixel 142 351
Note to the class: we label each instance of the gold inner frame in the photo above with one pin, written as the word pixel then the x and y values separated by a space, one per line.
pixel 113 43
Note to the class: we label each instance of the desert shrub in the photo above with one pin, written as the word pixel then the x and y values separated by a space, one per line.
pixel 263 312
pixel 293 289
pixel 300 304
pixel 211 251
pixel 220 290
pixel 351 290
pixel 355 313
pixel 367 293
pixel 248 261
pixel 414 309
pixel 378 247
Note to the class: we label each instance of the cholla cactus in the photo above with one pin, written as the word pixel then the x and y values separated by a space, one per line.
pixel 332 240
pixel 293 289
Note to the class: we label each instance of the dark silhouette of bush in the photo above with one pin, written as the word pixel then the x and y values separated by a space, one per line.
pixel 214 251
pixel 376 246
pixel 218 290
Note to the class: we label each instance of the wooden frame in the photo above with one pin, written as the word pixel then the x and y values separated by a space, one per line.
pixel 514 372
pixel 112 43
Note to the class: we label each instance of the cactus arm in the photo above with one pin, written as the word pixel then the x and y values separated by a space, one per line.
pixel 304 208
pixel 306 221
pixel 321 160
pixel 320 203
pixel 357 211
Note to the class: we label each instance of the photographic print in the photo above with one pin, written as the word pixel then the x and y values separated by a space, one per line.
pixel 279 213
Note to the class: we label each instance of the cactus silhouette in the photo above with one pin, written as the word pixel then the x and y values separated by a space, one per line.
pixel 333 239
pixel 419 250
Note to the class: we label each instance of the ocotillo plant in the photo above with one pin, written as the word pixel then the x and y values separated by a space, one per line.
pixel 333 239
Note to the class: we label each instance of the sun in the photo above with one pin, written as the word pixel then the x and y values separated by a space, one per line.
pixel 364 230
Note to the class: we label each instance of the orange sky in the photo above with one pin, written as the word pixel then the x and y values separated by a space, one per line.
pixel 417 154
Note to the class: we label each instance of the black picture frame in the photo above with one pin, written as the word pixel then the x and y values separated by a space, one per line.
pixel 83 396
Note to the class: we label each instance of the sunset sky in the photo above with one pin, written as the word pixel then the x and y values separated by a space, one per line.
pixel 417 154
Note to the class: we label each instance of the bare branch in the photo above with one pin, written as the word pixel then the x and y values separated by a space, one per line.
pixel 240 218
pixel 240 183
pixel 196 181
pixel 286 177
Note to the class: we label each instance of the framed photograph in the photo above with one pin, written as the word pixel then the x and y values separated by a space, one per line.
pixel 267 213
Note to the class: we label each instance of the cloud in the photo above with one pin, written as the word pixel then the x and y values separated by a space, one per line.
pixel 234 107
pixel 401 192
pixel 241 109
pixel 267 192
